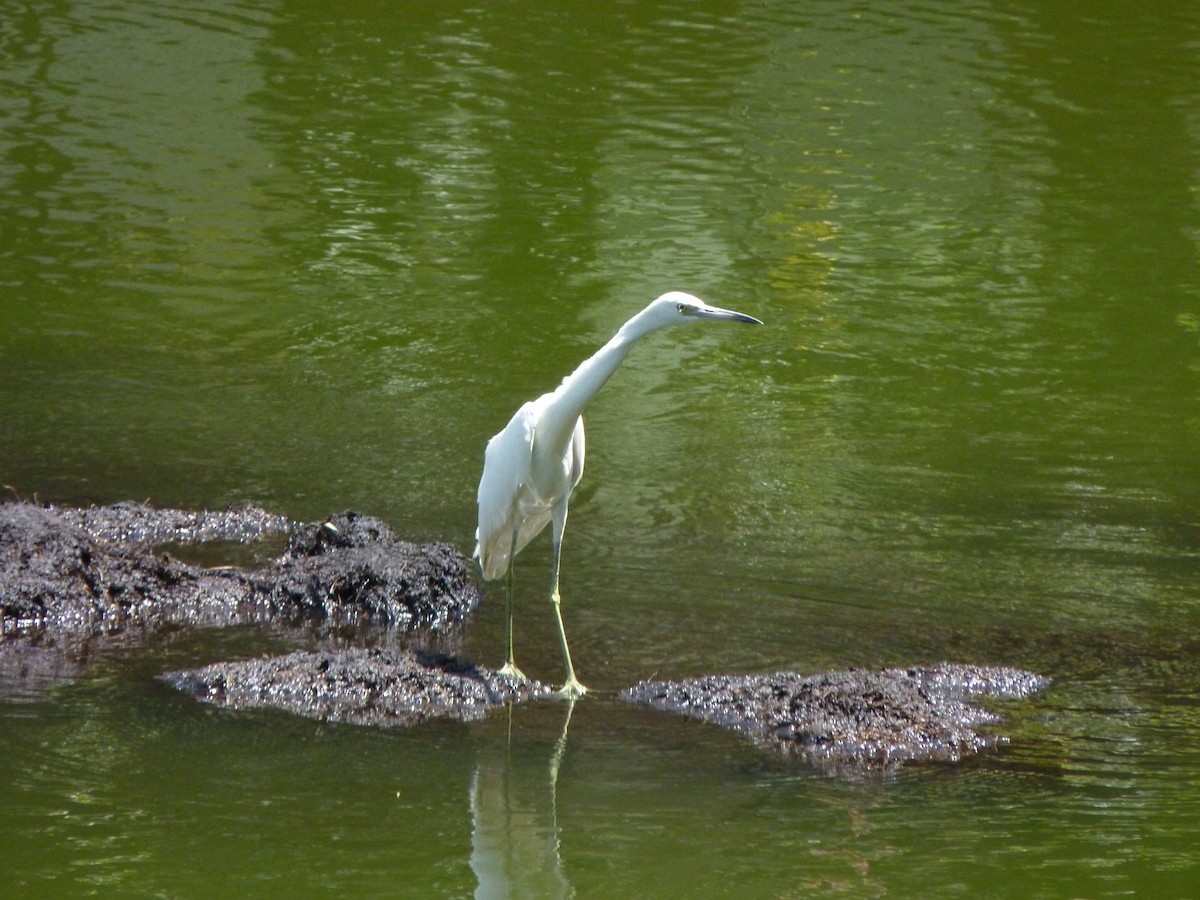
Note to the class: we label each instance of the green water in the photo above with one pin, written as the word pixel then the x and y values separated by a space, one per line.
pixel 311 256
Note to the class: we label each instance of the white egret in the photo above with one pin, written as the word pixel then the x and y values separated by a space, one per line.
pixel 533 464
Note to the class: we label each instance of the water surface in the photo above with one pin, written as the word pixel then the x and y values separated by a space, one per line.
pixel 312 258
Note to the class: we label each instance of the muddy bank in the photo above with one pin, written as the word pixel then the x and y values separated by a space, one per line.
pixel 70 576
pixel 853 720
pixel 359 686
pixel 75 580
pixel 137 523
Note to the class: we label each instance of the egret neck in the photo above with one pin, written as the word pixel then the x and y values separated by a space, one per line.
pixel 577 389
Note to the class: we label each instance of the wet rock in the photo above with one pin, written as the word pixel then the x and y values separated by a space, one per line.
pixel 853 720
pixel 359 686
pixel 68 576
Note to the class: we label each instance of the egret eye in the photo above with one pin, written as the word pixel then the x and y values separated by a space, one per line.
pixel 682 308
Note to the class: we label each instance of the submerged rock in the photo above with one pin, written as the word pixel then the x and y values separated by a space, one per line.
pixel 359 686
pixel 850 720
pixel 68 576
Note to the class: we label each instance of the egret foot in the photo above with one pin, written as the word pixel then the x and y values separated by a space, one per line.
pixel 510 669
pixel 572 690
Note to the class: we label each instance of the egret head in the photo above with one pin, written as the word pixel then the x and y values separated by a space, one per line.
pixel 676 306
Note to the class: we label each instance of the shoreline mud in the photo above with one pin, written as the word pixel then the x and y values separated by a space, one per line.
pixel 75 579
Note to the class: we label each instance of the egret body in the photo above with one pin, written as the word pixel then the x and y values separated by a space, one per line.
pixel 533 464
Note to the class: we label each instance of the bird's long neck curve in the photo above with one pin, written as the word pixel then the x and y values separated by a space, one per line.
pixel 578 388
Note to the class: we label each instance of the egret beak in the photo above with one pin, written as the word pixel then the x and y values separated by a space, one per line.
pixel 725 315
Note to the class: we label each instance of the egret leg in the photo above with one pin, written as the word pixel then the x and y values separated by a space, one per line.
pixel 510 664
pixel 572 689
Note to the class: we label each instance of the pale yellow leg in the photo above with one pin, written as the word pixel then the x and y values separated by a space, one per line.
pixel 572 689
pixel 510 665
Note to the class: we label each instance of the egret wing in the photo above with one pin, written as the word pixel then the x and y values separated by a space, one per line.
pixel 506 466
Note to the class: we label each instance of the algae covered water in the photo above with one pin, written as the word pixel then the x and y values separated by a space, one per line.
pixel 311 258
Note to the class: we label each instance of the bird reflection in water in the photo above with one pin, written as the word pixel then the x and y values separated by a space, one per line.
pixel 514 822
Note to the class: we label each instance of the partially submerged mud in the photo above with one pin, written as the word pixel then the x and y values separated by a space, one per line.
pixel 851 720
pixel 72 580
pixel 359 686
pixel 137 523
pixel 69 576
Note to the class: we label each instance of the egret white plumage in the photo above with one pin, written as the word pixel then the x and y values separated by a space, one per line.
pixel 532 465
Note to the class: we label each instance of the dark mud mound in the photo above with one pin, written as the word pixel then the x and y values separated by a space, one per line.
pixel 351 569
pixel 359 686
pixel 68 576
pixel 853 720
